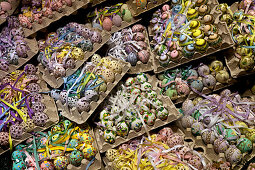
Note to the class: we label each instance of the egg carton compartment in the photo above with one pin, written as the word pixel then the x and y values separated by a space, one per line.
pixel 14 4
pixel 188 141
pixel 81 118
pixel 50 110
pixel 167 103
pixel 96 165
pixel 141 67
pixel 223 31
pixel 57 82
pixel 33 50
pixel 76 4
pixel 96 2
pixel 135 10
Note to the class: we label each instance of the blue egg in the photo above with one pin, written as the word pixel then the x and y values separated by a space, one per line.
pixel 132 58
pixel 197 85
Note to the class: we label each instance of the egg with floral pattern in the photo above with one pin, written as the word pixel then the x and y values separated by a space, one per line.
pixel 89 152
pixel 76 157
pixel 244 145
pixel 149 118
pixel 122 128
pixel 60 162
pixel 47 165
pixel 109 136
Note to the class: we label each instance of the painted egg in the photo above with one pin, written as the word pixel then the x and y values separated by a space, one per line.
pixel 149 118
pixel 109 136
pixel 127 16
pixel 220 145
pixel 89 152
pixel 175 139
pixel 196 114
pixel 171 93
pixel 60 162
pixel 247 63
pixel 197 85
pixel 123 8
pixel 117 20
pixel 196 162
pixel 165 7
pixel 135 124
pixel 96 59
pixel 107 123
pixel 141 78
pixel 157 102
pixel 42 155
pixel 139 36
pixel 216 66
pixel 250 134
pixel 209 81
pixel 73 143
pixel 244 145
pixel 76 157
pixel 141 3
pixel 143 56
pixel 115 66
pixel 197 100
pixel 4 138
pixel 104 114
pixel 142 45
pixel 203 70
pixel 108 75
pixel 146 86
pixel 18 154
pixel 83 105
pixel 132 58
pixel 230 135
pixel 18 165
pixel 193 73
pixel 183 89
pixel 208 137
pixel 122 129
pixel 86 138
pixel 151 94
pixel 187 121
pixel 107 24
pixel 47 165
pixel 187 105
pixel 162 113
pixel 233 154
pixel 138 28
pixel 111 154
pixel 197 128
pixel 222 76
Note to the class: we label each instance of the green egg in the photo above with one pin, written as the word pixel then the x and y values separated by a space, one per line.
pixel 230 135
pixel 127 16
pixel 244 145
pixel 220 128
pixel 172 93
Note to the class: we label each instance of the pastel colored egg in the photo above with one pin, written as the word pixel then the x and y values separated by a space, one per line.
pixel 230 135
pixel 135 124
pixel 187 105
pixel 197 85
pixel 144 56
pixel 187 121
pixel 162 113
pixel 146 87
pixel 233 154
pixel 208 137
pixel 197 128
pixel 141 78
pixel 117 20
pixel 107 24
pixel 171 93
pixel 220 145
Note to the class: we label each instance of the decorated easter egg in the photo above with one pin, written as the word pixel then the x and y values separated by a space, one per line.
pixel 171 93
pixel 132 58
pixel 174 140
pixel 244 145
pixel 183 89
pixel 203 70
pixel 141 3
pixel 197 100
pixel 18 154
pixel 117 20
pixel 20 164
pixel 4 138
pixel 151 94
pixel 196 162
pixel 162 113
pixel 122 128
pixel 233 154
pixel 107 123
pixel 135 124
pixel 196 114
pixel 141 78
pixel 220 145
pixel 73 143
pixel 208 136
pixel 222 76
pixel 127 16
pixel 107 24
pixel 76 157
pixel 230 135
pixel 60 162
pixel 187 105
pixel 197 128
pixel 111 154
pixel 187 121
pixel 109 136
pixel 82 105
pixel 139 36
pixel 96 59
pixel 104 115
pixel 209 81
pixel 143 56
pixel 149 118
pixel 89 152
pixel 47 165
pixel 197 85
pixel 146 86
pixel 108 75
pixel 157 102
pixel 216 66
pixel 42 155
pixel 86 138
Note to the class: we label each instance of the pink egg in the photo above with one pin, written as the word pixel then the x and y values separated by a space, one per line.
pixel 164 15
pixel 174 54
pixel 143 56
pixel 107 24
pixel 166 7
pixel 117 20
pixel 251 12
pixel 68 2
pixel 6 6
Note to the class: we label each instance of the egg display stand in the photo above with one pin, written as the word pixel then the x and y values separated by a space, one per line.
pixel 96 165
pixel 33 50
pixel 76 4
pixel 187 141
pixel 135 10
pixel 80 118
pixel 167 103
pixel 50 111
pixel 223 31
pixel 57 82
pixel 14 4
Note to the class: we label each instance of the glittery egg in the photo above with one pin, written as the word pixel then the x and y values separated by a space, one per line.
pixel 244 145
pixel 187 121
pixel 230 135
pixel 107 24
pixel 89 152
pixel 187 105
pixel 60 162
pixel 197 85
pixel 149 118
pixel 135 124
pixel 109 136
pixel 209 81
pixel 111 154
pixel 233 154
pixel 175 139
pixel 208 137
pixel 197 128
pixel 76 157
pixel 47 165
pixel 117 20
pixel 108 75
pixel 132 58
pixel 146 86
pixel 222 76
pixel 122 128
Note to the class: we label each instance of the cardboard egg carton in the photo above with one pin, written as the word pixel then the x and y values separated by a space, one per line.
pixel 80 118
pixel 140 67
pixel 14 4
pixel 167 103
pixel 187 141
pixel 50 110
pixel 76 4
pixel 32 44
pixel 135 10
pixel 223 31
pixel 96 165
pixel 96 2
pixel 57 82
